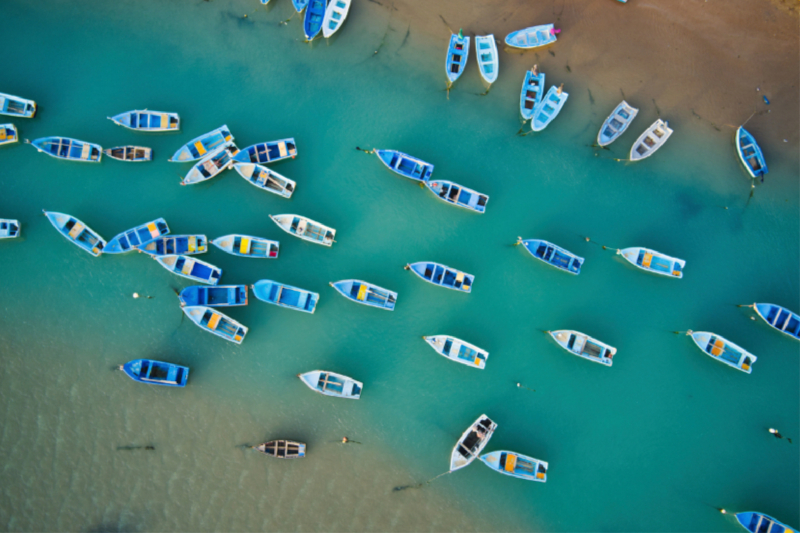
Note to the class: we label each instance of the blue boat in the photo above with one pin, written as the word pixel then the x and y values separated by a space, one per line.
pixel 305 228
pixel 77 232
pixel 220 296
pixel 247 246
pixel 780 318
pixel 532 37
pixel 16 106
pixel 268 152
pixel 69 149
pixel 458 195
pixel 299 5
pixel 9 228
pixel 156 373
pixel 315 13
pixel 457 55
pixel 548 108
pixel 553 255
pixel 443 276
pixel 405 165
pixel 516 465
pixel 532 92
pixel 190 268
pixel 723 350
pixel 616 123
pixel 211 165
pixel 287 296
pixel 655 262
pixel 366 293
pixel 201 146
pixel 127 241
pixel 750 154
pixel 266 179
pixel 176 245
pixel 215 322
pixel 761 523
pixel 147 120
pixel 8 134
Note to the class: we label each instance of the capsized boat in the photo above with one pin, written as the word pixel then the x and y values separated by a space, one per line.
pixel 616 123
pixel 332 384
pixel 458 350
pixel 334 16
pixel 176 245
pixel 266 179
pixel 443 276
pixel 287 296
pixel 532 92
pixel 458 195
pixel 247 246
pixel 780 318
pixel 77 232
pixel 315 13
pixel 488 60
pixel 9 228
pixel 750 154
pixel 130 153
pixel 516 465
pixel 584 346
pixel 724 351
pixel 366 293
pixel 219 296
pixel 651 140
pixel 305 228
pixel 8 134
pixel 16 106
pixel 268 152
pixel 472 442
pixel 69 149
pixel 654 262
pixel 190 268
pixel 211 165
pixel 548 108
pixel 457 55
pixel 282 449
pixel 405 165
pixel 201 146
pixel 761 523
pixel 553 255
pixel 144 120
pixel 156 373
pixel 215 322
pixel 127 241
pixel 299 5
pixel 532 37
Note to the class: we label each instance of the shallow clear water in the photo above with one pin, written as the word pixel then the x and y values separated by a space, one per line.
pixel 654 443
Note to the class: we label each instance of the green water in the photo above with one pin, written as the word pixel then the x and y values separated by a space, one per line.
pixel 653 444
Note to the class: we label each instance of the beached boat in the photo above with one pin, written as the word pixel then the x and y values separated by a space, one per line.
pixel 584 346
pixel 366 293
pixel 332 384
pixel 77 232
pixel 334 16
pixel 724 351
pixel 264 178
pixel 405 165
pixel 616 123
pixel 247 246
pixel 156 373
pixel 9 228
pixel 215 322
pixel 458 195
pixel 176 245
pixel 457 55
pixel 516 465
pixel 548 108
pixel 651 140
pixel 750 154
pixel 654 262
pixel 780 318
pixel 16 106
pixel 190 268
pixel 472 442
pixel 305 228
pixel 299 5
pixel 532 37
pixel 312 22
pixel 282 449
pixel 219 296
pixel 761 523
pixel 211 165
pixel 69 149
pixel 268 152
pixel 443 276
pixel 144 120
pixel 532 92
pixel 553 255
pixel 201 146
pixel 130 153
pixel 8 134
pixel 458 350
pixel 488 60
pixel 287 296
pixel 127 241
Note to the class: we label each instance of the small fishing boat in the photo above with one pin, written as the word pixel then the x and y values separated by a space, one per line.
pixel 532 37
pixel 457 55
pixel 651 140
pixel 334 16
pixel 69 149
pixel 472 442
pixel 282 449
pixel 190 268
pixel 247 246
pixel 332 384
pixel 127 241
pixel 176 245
pixel 299 5
pixel 215 322
pixel 750 154
pixel 616 123
pixel 776 316
pixel 366 293
pixel 443 276
pixel 16 106
pixel 268 152
pixel 584 346
pixel 220 296
pixel 516 465
pixel 532 92
pixel 458 350
pixel 156 373
pixel 8 134
pixel 130 153
pixel 654 262
pixel 200 146
pixel 9 228
pixel 315 13
pixel 488 60
pixel 305 228
pixel 553 255
pixel 724 351
pixel 548 108
pixel 761 523
pixel 77 232
pixel 458 195
pixel 145 120
pixel 211 165
pixel 405 165
pixel 287 296
pixel 266 179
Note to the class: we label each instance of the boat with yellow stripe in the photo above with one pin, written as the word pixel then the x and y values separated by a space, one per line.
pixel 655 262
pixel 127 241
pixel 268 152
pixel 458 350
pixel 176 245
pixel 247 246
pixel 77 232
pixel 724 350
pixel 144 120
pixel 190 268
pixel 516 465
pixel 8 134
pixel 203 145
pixel 69 149
pixel 215 322
pixel 366 293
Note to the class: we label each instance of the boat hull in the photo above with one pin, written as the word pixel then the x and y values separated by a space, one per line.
pixel 651 140
pixel 457 56
pixel 531 94
pixel 457 350
pixel 553 255
pixel 8 134
pixel 724 351
pixel 176 245
pixel 780 318
pixel 154 372
pixel 443 276
pixel 266 179
pixel 248 246
pixel 332 384
pixel 69 149
pixel 286 296
pixel 219 296
pixel 584 346
pixel 616 123
pixel 190 268
pixel 405 165
pixel 458 195
pixel 77 232
pixel 9 228
pixel 366 294
pixel 306 229
pixel 201 146
pixel 268 152
pixel 15 106
pixel 654 262
pixel 283 449
pixel 532 37
pixel 750 153
pixel 487 57
pixel 148 121
pixel 516 465
pixel 548 109
pixel 128 241
pixel 335 15
pixel 472 442
pixel 215 322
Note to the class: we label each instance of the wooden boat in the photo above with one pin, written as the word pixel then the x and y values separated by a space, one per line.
pixel 16 106
pixel 750 154
pixel 156 373
pixel 8 134
pixel 516 465
pixel 548 108
pixel 69 149
pixel 282 449
pixel 532 92
pixel 366 293
pixel 266 179
pixel 458 195
pixel 130 153
pixel 305 229
pixel 457 55
pixel 532 37
pixel 220 296
pixel 761 523
pixel 9 228
pixel 287 296
pixel 472 442
pixel 654 262
pixel 215 322
pixel 584 346
pixel 190 268
pixel 211 165
pixel 247 246
pixel 651 140
pixel 268 152
pixel 299 5
pixel 312 22
pixel 201 146
pixel 724 351
pixel 334 16
pixel 616 123
pixel 443 276
pixel 780 318
pixel 144 120
pixel 332 384
pixel 458 350
pixel 405 165
pixel 488 60
pixel 77 232
pixel 127 241
pixel 553 255
pixel 176 245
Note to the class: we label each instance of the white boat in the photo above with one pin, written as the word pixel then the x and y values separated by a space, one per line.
pixel 332 384
pixel 654 262
pixel 488 60
pixel 335 14
pixel 651 140
pixel 145 120
pixel 265 178
pixel 458 350
pixel 549 108
pixel 616 123
pixel 724 351
pixel 16 106
pixel 247 246
pixel 472 442
pixel 9 228
pixel 516 465
pixel 215 322
pixel 305 229
pixel 211 165
pixel 584 346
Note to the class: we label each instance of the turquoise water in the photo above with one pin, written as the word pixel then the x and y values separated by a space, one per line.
pixel 653 444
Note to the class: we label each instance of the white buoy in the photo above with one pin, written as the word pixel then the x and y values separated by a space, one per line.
pixel 135 294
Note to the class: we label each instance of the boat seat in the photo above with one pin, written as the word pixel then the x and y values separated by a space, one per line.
pixel 717 348
pixel 511 462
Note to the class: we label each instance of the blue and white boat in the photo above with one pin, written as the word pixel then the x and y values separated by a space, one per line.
pixel 16 106
pixel 77 232
pixel 655 262
pixel 215 322
pixel 472 442
pixel 549 107
pixel 69 149
pixel 582 345
pixel 287 296
pixel 305 228
pixel 724 350
pixel 458 350
pixel 127 241
pixel 211 165
pixel 190 268
pixel 176 245
pixel 458 195
pixel 616 123
pixel 156 373
pixel 9 228
pixel 553 255
pixel 366 293
pixel 405 165
pixel 334 16
pixel 247 246
pixel 131 154
pixel 516 465
pixel 144 120
pixel 761 523
pixel 750 154
pixel 332 384
pixel 780 318
pixel 443 276
pixel 315 13
pixel 299 5
pixel 457 55
pixel 651 140
pixel 219 296
pixel 201 146
pixel 268 152
pixel 532 92
pixel 532 37
pixel 266 179
pixel 8 134
pixel 282 449
pixel 488 60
